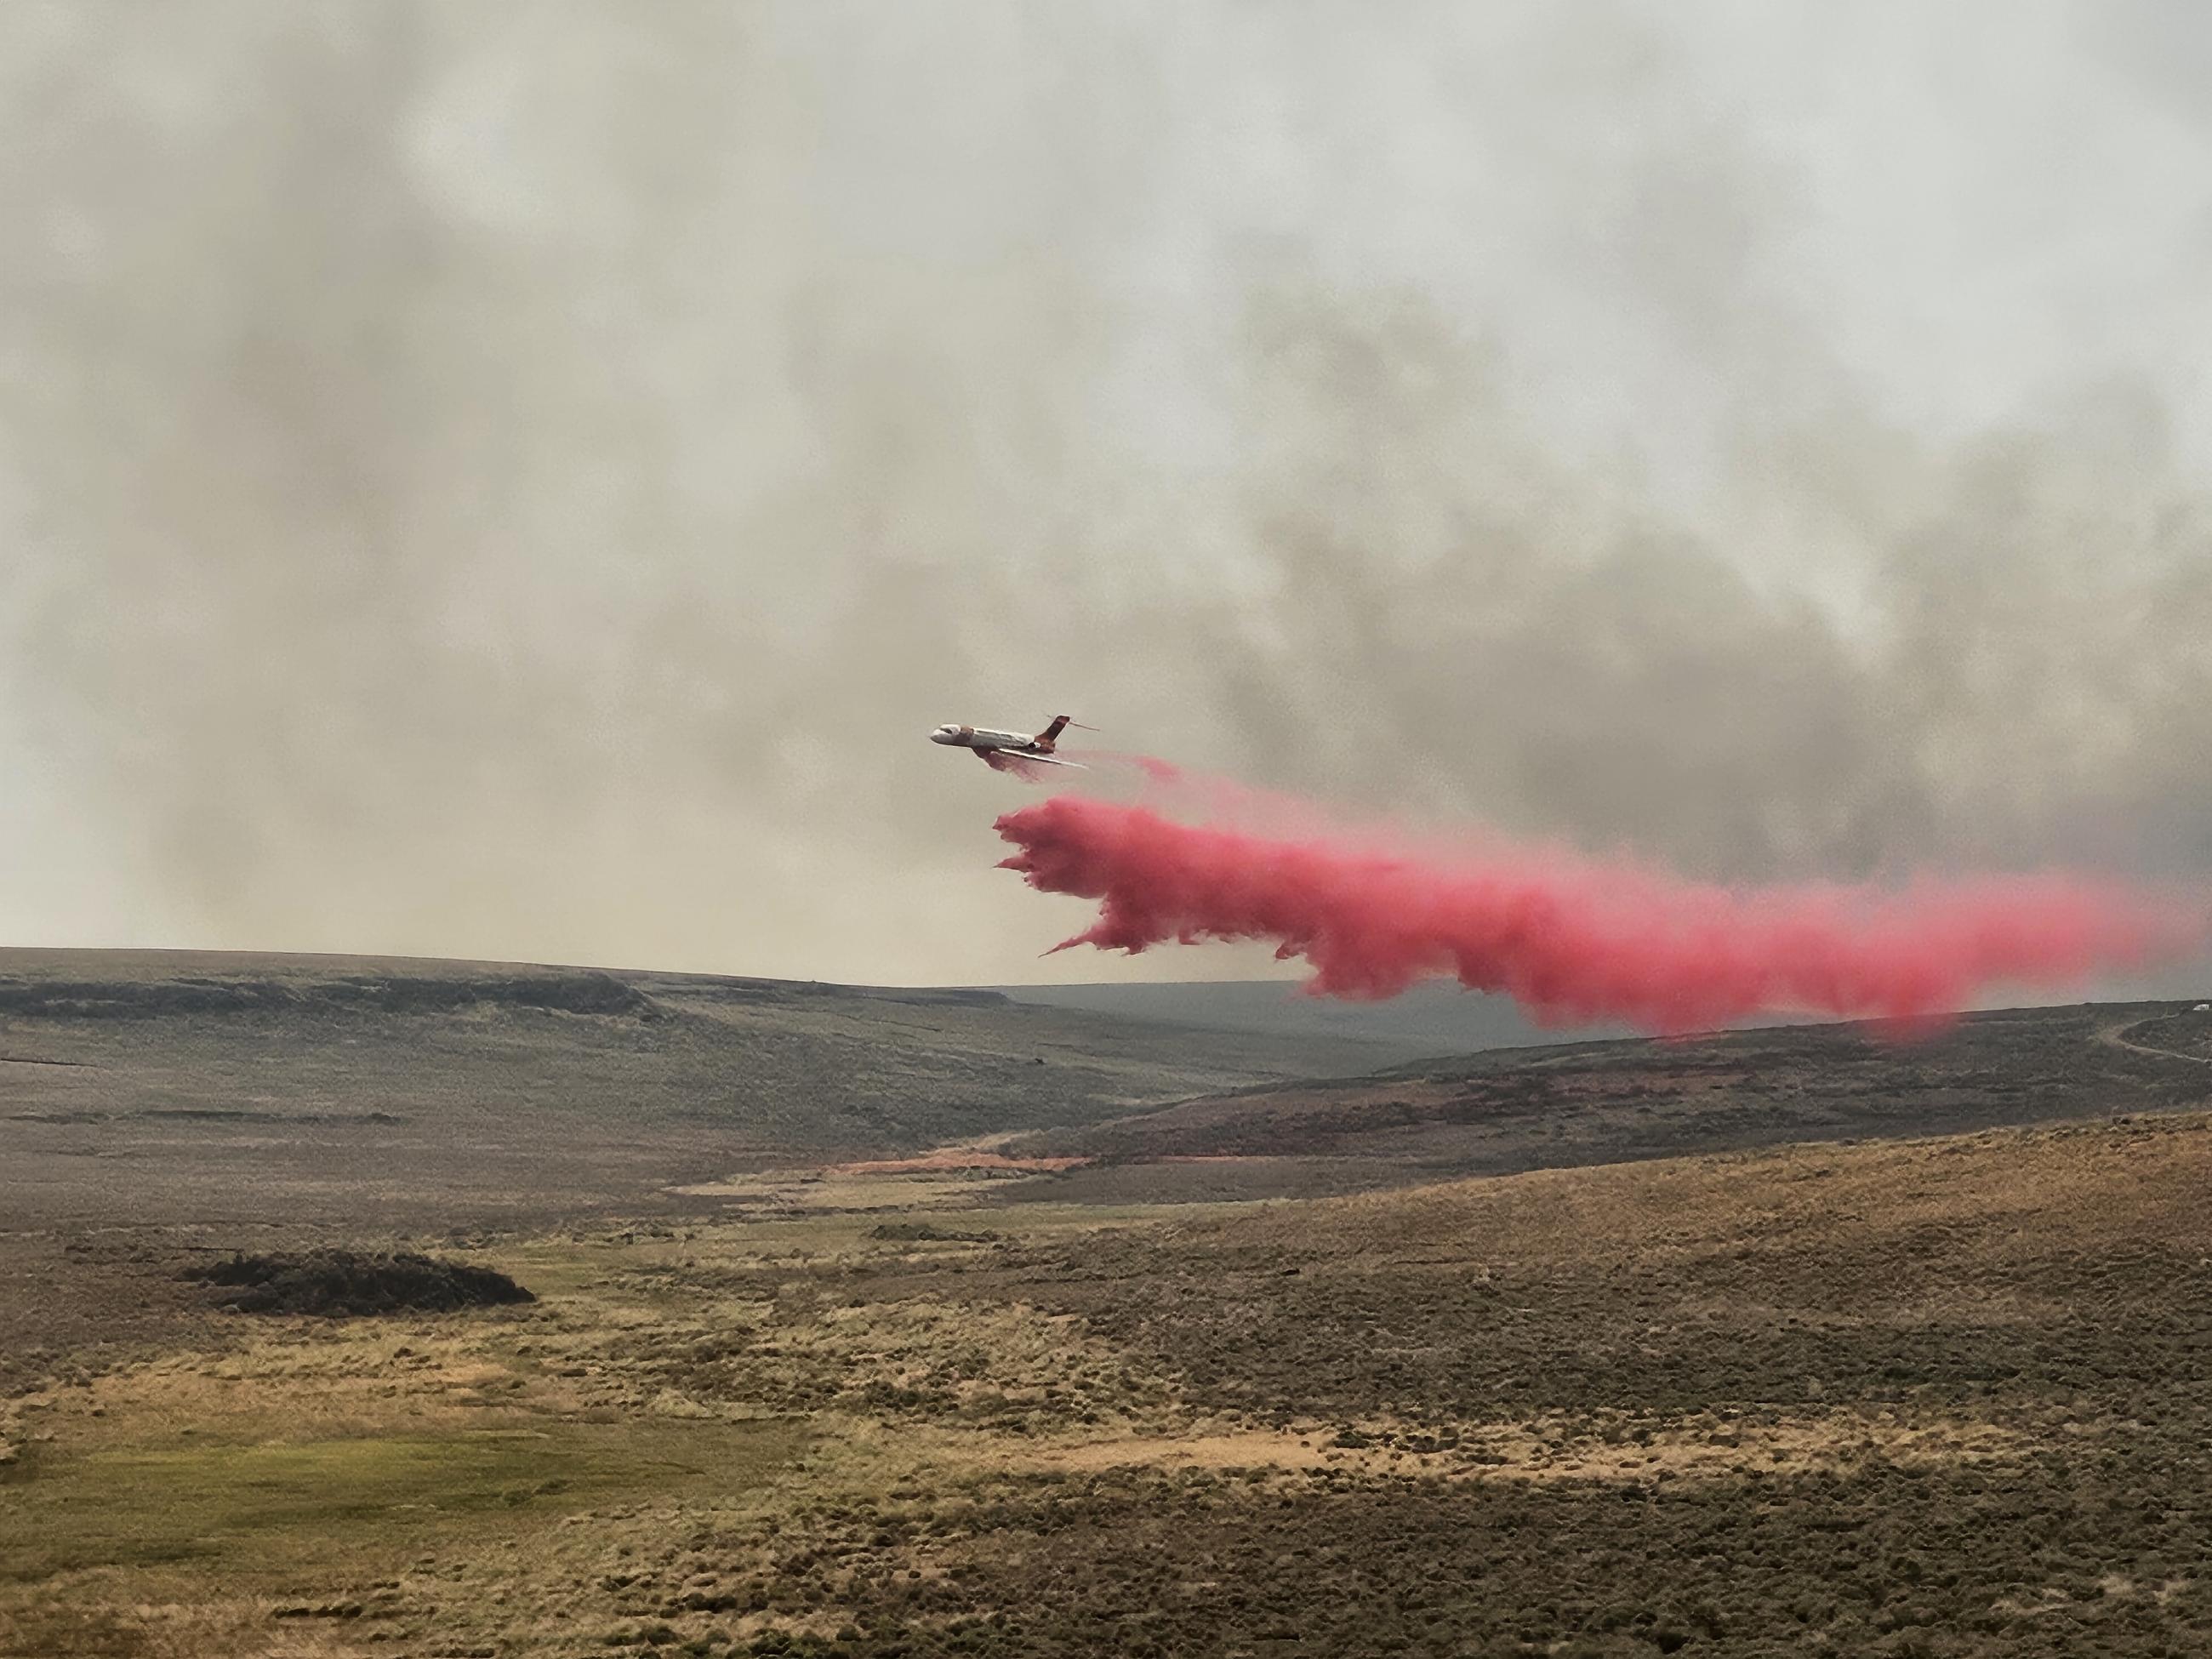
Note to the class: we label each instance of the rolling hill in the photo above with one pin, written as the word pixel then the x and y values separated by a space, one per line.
pixel 151 1085
pixel 1437 1017
pixel 1650 1380
pixel 1506 1110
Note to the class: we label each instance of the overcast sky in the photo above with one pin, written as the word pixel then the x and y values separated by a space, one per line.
pixel 520 480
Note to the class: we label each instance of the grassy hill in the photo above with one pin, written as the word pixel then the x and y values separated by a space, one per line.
pixel 1433 1017
pixel 1506 1110
pixel 150 1086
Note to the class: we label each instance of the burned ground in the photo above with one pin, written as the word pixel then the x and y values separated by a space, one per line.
pixel 1508 1110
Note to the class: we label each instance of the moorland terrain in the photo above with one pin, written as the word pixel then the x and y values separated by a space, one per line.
pixel 1437 1017
pixel 850 1328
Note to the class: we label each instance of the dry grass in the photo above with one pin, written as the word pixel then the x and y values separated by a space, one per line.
pixel 1939 1397
pixel 1540 1450
pixel 841 1190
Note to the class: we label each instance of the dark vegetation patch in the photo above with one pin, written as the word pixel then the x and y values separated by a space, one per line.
pixel 233 1114
pixel 2014 1275
pixel 1459 1341
pixel 1510 1110
pixel 343 1284
pixel 2065 1552
pixel 128 999
pixel 917 1232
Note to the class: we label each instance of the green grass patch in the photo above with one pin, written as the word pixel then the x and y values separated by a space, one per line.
pixel 244 1508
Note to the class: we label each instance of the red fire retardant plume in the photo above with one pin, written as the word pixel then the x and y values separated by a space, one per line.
pixel 1573 940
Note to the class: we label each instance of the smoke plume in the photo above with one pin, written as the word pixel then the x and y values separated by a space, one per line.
pixel 521 478
pixel 1575 940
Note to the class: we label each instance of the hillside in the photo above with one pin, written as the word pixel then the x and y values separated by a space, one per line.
pixel 1507 1110
pixel 1436 1017
pixel 160 1085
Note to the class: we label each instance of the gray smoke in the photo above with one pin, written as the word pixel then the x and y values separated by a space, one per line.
pixel 520 479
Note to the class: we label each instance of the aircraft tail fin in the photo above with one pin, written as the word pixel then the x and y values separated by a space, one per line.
pixel 1046 738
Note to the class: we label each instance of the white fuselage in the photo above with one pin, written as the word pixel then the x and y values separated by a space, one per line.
pixel 979 737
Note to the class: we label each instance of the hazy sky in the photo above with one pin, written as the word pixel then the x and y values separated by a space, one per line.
pixel 521 480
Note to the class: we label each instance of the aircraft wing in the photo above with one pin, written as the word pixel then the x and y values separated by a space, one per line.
pixel 1012 760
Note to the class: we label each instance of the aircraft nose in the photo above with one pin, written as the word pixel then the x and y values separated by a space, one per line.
pixel 943 734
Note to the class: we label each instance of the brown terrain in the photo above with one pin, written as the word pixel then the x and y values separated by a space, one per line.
pixel 1508 1110
pixel 391 1309
pixel 176 1087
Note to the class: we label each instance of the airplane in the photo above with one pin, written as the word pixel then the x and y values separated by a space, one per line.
pixel 1010 751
